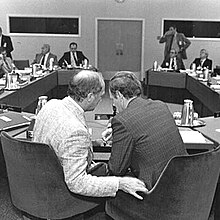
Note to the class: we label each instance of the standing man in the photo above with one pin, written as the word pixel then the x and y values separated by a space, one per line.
pixel 6 64
pixel 45 58
pixel 7 43
pixel 175 40
pixel 73 57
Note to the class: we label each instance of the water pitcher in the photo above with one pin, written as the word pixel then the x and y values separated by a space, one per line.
pixel 187 113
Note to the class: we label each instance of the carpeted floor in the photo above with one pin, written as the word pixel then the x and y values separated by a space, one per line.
pixel 9 212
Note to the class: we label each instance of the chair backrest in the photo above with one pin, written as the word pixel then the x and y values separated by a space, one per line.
pixel 184 191
pixel 21 64
pixel 36 181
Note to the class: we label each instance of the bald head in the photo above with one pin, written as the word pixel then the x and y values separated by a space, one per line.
pixel 85 82
pixel 45 48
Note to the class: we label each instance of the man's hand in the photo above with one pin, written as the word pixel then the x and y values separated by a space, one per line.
pixel 107 134
pixel 169 33
pixel 132 185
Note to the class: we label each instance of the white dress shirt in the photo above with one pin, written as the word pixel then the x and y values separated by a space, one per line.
pixel 175 45
pixel 73 62
pixel 45 59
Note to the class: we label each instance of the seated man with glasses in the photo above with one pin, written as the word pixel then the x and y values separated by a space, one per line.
pixel 173 62
pixel 45 58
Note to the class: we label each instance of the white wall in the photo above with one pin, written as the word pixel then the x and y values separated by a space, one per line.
pixel 151 10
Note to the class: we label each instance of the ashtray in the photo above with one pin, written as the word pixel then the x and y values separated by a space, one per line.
pixel 196 123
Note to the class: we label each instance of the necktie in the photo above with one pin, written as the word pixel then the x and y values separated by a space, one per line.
pixel 7 66
pixel 171 43
pixel 74 56
pixel 201 62
pixel 42 61
pixel 6 63
pixel 171 63
pixel 174 63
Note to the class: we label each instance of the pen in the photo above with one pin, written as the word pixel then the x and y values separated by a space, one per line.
pixel 26 117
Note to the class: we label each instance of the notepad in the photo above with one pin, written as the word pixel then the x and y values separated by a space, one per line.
pixel 192 137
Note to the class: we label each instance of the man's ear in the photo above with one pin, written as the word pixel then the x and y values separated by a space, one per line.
pixel 90 97
pixel 118 94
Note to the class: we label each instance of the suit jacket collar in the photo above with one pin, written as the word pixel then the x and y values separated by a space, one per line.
pixel 134 101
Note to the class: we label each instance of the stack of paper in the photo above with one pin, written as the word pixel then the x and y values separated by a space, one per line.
pixel 191 136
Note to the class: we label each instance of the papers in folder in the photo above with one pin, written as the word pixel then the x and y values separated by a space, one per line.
pixel 13 120
pixel 192 137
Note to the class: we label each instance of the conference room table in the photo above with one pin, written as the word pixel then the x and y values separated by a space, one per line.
pixel 53 84
pixel 174 87
pixel 49 84
pixel 210 133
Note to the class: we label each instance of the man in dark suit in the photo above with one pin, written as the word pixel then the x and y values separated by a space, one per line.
pixel 6 64
pixel 73 57
pixel 144 134
pixel 178 41
pixel 7 43
pixel 203 61
pixel 173 62
pixel 45 58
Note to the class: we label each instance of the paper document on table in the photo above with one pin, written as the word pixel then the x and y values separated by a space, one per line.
pixel 215 87
pixel 13 120
pixel 2 82
pixel 192 137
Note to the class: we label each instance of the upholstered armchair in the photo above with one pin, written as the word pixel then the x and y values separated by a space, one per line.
pixel 184 191
pixel 36 181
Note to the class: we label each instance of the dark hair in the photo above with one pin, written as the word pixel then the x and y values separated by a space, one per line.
pixel 126 83
pixel 2 49
pixel 85 82
pixel 173 25
pixel 73 43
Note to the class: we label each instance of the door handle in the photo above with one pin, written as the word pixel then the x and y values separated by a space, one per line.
pixel 119 49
